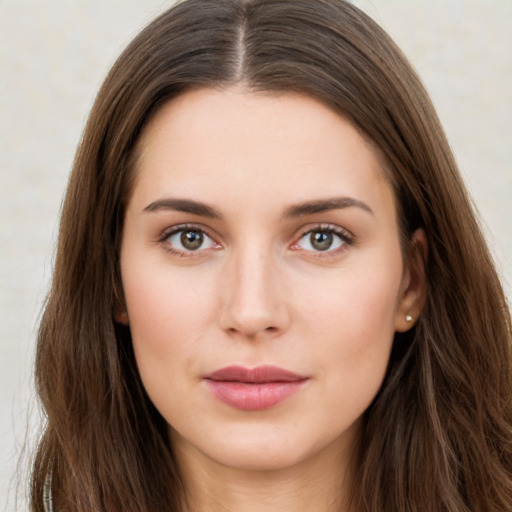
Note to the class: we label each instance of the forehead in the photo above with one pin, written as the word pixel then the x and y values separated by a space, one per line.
pixel 246 141
pixel 287 113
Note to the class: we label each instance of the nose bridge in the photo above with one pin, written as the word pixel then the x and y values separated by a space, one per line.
pixel 253 301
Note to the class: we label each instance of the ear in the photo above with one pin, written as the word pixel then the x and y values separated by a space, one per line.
pixel 121 317
pixel 119 311
pixel 413 291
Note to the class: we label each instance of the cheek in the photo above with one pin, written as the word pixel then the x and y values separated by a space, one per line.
pixel 168 315
pixel 358 301
pixel 353 321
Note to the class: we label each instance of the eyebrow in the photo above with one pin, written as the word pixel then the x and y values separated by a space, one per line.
pixel 324 205
pixel 299 210
pixel 183 205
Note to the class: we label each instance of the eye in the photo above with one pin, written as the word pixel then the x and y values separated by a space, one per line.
pixel 188 240
pixel 322 240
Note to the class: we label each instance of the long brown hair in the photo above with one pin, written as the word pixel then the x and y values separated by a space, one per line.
pixel 438 437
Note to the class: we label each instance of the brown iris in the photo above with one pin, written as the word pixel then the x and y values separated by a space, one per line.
pixel 321 240
pixel 192 240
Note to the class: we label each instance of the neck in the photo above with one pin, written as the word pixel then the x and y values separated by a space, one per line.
pixel 319 484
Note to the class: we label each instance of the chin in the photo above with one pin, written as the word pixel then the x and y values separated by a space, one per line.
pixel 264 458
pixel 265 447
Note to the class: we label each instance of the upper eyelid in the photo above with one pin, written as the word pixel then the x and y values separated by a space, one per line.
pixel 167 232
pixel 338 230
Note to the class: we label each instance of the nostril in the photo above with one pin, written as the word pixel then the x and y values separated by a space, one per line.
pixel 251 334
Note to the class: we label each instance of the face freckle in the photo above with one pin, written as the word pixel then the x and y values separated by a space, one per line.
pixel 260 247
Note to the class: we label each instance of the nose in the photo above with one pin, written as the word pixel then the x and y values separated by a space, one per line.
pixel 253 299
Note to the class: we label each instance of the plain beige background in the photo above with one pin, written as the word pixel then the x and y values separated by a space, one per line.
pixel 53 57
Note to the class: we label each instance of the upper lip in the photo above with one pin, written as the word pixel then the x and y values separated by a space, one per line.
pixel 257 375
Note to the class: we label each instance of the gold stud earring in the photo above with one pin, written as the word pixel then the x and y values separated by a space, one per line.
pixel 409 318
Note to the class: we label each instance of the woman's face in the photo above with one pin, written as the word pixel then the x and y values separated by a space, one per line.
pixel 263 276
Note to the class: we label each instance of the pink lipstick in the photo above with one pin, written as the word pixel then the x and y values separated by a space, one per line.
pixel 253 389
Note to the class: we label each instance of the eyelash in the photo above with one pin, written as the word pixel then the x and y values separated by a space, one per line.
pixel 164 240
pixel 345 236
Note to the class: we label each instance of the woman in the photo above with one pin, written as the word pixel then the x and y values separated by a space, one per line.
pixel 270 290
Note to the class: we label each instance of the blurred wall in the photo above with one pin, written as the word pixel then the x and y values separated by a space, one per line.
pixel 53 57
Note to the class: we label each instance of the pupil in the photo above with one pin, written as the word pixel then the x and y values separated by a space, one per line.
pixel 192 240
pixel 321 240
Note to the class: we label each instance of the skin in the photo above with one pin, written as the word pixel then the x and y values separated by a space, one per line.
pixel 257 291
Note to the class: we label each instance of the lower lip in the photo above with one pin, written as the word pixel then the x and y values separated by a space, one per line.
pixel 253 396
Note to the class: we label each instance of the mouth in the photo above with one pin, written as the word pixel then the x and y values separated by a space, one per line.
pixel 254 389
